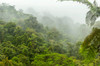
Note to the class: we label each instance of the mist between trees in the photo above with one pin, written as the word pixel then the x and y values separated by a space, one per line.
pixel 45 40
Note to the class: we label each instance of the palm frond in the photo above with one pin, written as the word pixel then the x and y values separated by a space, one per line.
pixel 88 17
pixel 91 18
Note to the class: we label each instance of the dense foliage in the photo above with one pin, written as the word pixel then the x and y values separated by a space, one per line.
pixel 25 42
pixel 91 44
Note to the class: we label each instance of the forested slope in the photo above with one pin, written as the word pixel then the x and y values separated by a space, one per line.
pixel 25 42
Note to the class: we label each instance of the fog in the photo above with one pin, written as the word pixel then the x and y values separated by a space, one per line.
pixel 49 33
pixel 67 17
pixel 73 10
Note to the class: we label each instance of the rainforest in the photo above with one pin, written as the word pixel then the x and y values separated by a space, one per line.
pixel 29 39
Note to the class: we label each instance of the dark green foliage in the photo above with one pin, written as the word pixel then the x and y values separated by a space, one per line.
pixel 53 59
pixel 24 47
pixel 91 45
pixel 25 42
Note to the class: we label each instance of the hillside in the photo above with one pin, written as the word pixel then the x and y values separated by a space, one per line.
pixel 26 42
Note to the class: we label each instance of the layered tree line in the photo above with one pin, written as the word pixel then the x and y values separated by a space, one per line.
pixel 26 42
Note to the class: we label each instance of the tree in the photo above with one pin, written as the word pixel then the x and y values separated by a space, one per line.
pixel 91 45
pixel 53 59
pixel 8 49
pixel 10 27
pixel 93 13
pixel 6 62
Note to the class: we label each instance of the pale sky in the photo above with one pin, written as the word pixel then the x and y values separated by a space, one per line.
pixel 74 10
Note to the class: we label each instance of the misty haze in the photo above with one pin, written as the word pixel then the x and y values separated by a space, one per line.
pixel 49 33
